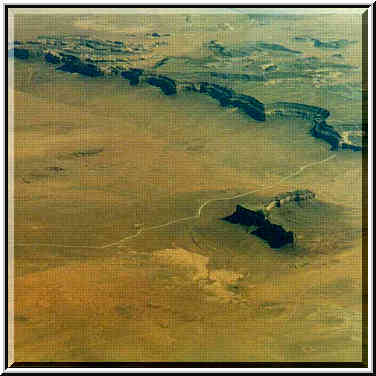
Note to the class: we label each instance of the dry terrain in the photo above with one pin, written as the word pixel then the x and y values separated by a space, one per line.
pixel 96 160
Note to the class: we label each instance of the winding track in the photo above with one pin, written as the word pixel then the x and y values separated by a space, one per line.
pixel 198 215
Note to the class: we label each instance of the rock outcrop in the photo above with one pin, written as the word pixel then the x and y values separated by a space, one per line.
pixel 300 110
pixel 239 76
pixel 76 66
pixel 232 52
pixel 324 131
pixel 251 106
pixel 302 39
pixel 227 97
pixel 53 57
pixel 275 235
pixel 133 75
pixel 220 93
pixel 353 136
pixel 246 216
pixel 96 58
pixel 167 85
pixel 335 137
pixel 20 53
pixel 284 198
pixel 275 47
pixel 246 49
pixel 334 44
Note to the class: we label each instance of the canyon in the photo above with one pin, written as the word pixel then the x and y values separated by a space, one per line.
pixel 76 55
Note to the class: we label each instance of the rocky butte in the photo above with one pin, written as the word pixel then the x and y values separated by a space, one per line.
pixel 274 234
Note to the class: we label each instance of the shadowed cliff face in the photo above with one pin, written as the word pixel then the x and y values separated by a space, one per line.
pixel 275 235
pixel 335 44
pixel 166 84
pixel 74 66
pixel 133 75
pixel 20 53
pixel 226 97
pixel 297 110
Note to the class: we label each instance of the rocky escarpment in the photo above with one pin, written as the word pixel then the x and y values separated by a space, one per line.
pixel 275 47
pixel 20 53
pixel 73 64
pixel 167 85
pixel 274 234
pixel 225 96
pixel 96 58
pixel 338 137
pixel 282 199
pixel 331 44
pixel 322 130
pixel 303 111
pixel 242 76
pixel 247 48
pixel 132 75
pixel 334 44
pixel 251 106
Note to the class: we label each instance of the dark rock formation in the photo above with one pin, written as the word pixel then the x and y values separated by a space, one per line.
pixel 251 106
pixel 133 75
pixel 246 49
pixel 238 76
pixel 282 199
pixel 322 130
pixel 271 68
pixel 335 44
pixel 297 110
pixel 220 93
pixel 336 137
pixel 74 66
pixel 53 58
pixel 350 91
pixel 240 50
pixel 161 62
pixel 247 217
pixel 167 85
pixel 273 75
pixel 67 52
pixel 228 97
pixel 20 53
pixel 353 147
pixel 87 152
pixel 353 136
pixel 275 47
pixel 310 63
pixel 302 39
pixel 55 169
pixel 275 235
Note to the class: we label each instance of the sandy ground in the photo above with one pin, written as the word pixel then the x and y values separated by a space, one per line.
pixel 95 160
